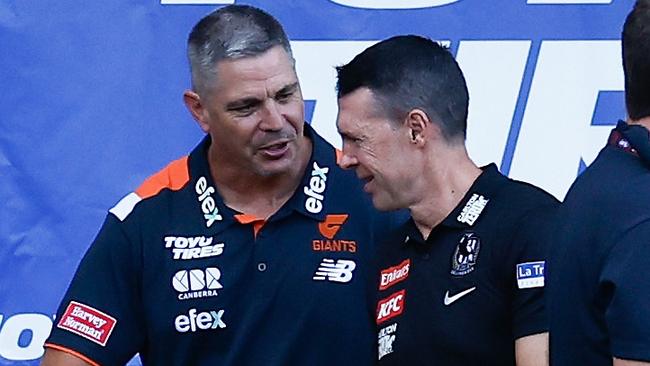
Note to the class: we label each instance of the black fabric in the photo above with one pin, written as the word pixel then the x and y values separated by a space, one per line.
pixel 488 309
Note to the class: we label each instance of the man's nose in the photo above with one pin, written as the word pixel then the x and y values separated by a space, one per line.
pixel 346 161
pixel 272 119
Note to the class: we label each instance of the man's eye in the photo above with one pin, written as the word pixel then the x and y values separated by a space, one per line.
pixel 244 110
pixel 283 97
pixel 353 140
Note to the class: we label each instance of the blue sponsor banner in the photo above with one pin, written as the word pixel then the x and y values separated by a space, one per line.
pixel 92 105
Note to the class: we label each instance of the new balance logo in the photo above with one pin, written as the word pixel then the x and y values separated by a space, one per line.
pixel 339 271
pixel 332 225
pixel 208 205
pixel 197 283
pixel 391 306
pixel 201 321
pixel 193 247
pixel 317 185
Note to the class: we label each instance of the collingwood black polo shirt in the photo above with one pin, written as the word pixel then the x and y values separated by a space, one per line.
pixel 476 284
pixel 599 284
pixel 182 279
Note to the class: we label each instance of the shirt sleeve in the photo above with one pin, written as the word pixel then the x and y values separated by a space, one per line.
pixel 526 271
pixel 626 280
pixel 99 318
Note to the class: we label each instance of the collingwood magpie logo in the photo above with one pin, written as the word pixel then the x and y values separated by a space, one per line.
pixel 465 255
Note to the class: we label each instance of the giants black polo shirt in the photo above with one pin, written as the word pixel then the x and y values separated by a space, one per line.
pixel 476 284
pixel 599 286
pixel 182 279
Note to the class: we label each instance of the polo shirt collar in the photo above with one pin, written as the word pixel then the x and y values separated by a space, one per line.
pixel 469 210
pixel 306 200
pixel 321 162
pixel 471 207
pixel 199 168
pixel 632 138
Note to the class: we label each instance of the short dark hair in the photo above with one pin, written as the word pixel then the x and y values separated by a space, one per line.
pixel 231 32
pixel 636 60
pixel 407 72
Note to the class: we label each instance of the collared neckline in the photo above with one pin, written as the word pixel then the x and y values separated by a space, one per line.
pixel 633 139
pixel 482 190
pixel 322 154
pixel 476 200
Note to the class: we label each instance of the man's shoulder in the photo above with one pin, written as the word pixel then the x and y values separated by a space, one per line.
pixel 173 177
pixel 614 179
pixel 526 195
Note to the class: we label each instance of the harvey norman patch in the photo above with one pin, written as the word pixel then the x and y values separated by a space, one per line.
pixel 87 322
pixel 466 254
pixel 530 274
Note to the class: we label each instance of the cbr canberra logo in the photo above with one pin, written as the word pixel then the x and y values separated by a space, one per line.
pixel 197 283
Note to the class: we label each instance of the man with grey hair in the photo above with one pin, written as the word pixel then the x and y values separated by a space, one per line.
pixel 252 250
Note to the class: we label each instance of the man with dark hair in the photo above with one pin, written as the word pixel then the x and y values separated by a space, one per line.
pixel 462 282
pixel 599 291
pixel 252 250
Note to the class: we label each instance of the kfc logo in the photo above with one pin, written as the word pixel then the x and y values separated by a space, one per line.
pixel 391 306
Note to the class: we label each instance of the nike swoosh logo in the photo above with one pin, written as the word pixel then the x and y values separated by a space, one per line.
pixel 451 299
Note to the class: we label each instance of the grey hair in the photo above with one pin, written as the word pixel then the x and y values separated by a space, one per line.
pixel 231 32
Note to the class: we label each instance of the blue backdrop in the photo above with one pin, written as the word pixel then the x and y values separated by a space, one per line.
pixel 92 104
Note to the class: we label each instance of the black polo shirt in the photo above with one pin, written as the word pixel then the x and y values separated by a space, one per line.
pixel 599 284
pixel 182 279
pixel 476 284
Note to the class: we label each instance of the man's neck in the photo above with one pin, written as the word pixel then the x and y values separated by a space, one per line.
pixel 645 122
pixel 447 179
pixel 257 195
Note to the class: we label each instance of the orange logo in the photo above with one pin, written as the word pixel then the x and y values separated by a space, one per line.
pixel 331 225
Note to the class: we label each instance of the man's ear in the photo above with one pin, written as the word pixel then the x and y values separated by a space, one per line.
pixel 422 128
pixel 197 109
pixel 419 126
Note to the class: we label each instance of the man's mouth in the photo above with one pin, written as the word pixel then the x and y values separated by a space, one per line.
pixel 367 180
pixel 275 150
